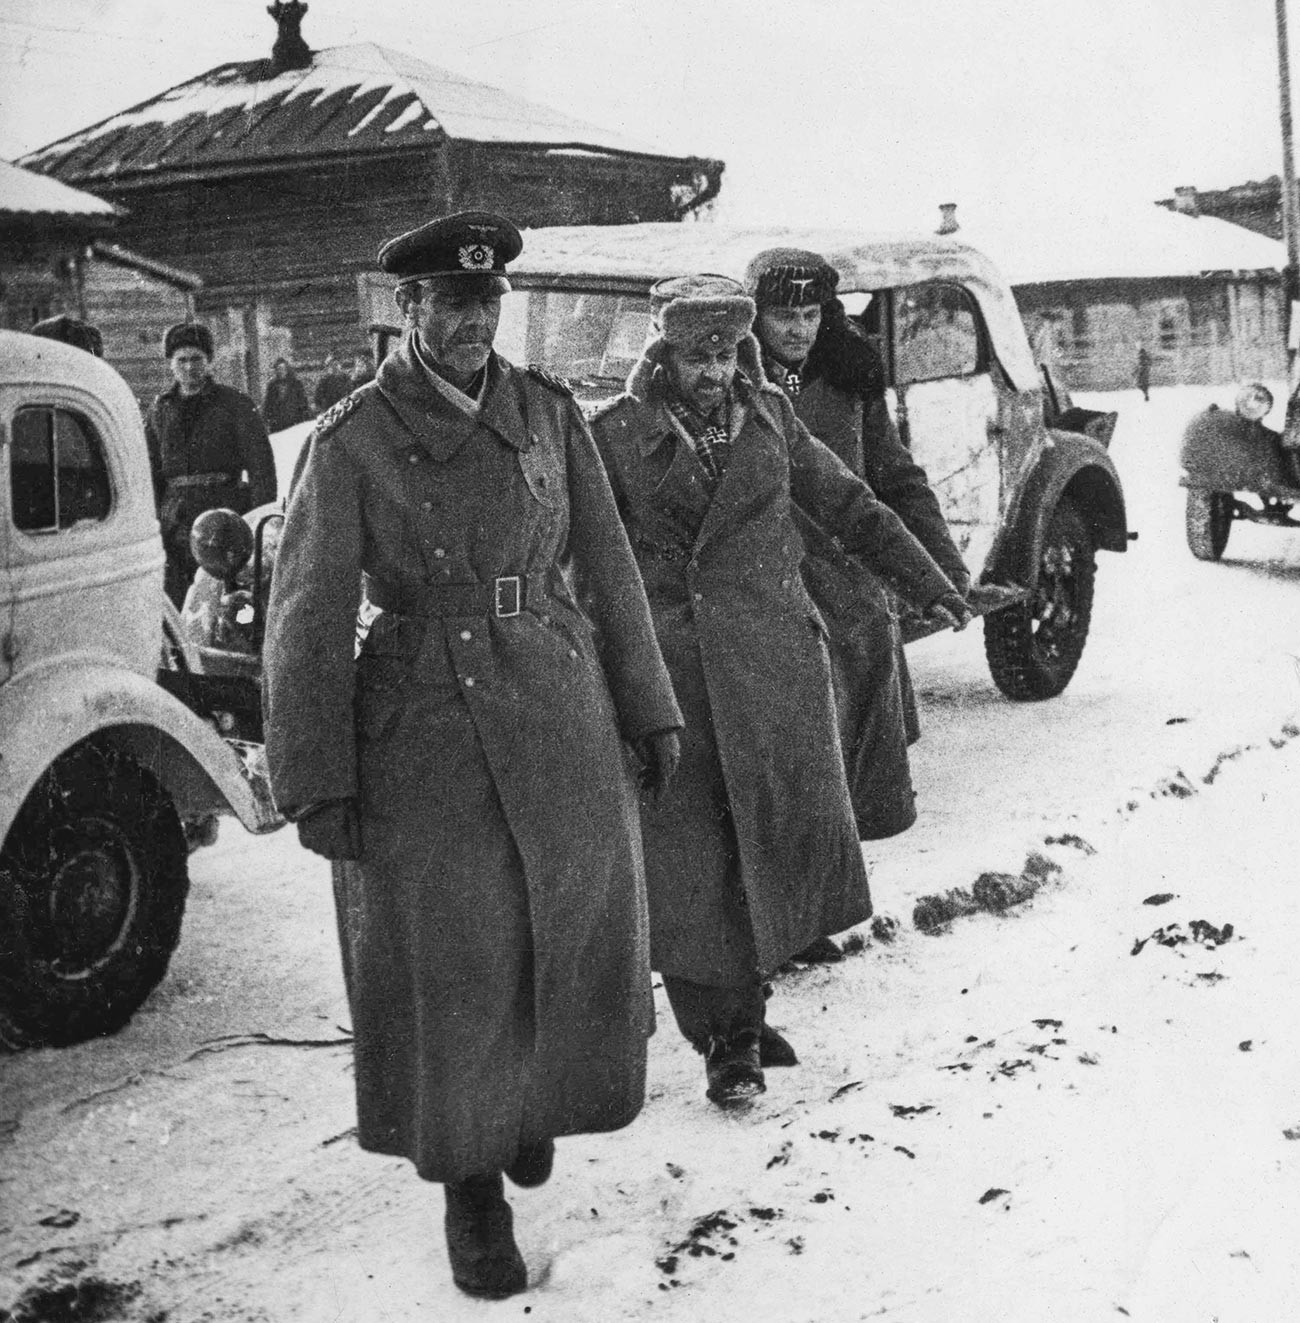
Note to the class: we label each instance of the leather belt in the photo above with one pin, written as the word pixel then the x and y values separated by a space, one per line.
pixel 504 596
pixel 200 479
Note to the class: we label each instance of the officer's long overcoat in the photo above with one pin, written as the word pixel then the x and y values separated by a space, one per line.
pixel 753 852
pixel 493 933
pixel 873 688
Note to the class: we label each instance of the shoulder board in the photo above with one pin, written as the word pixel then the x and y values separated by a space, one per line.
pixel 560 384
pixel 334 415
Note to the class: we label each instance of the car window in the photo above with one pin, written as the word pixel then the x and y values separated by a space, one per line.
pixel 936 334
pixel 58 475
pixel 589 337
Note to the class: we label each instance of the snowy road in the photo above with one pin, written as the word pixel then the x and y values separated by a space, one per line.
pixel 1016 1121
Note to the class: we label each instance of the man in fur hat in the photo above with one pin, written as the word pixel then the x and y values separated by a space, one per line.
pixel 71 331
pixel 833 380
pixel 753 851
pixel 208 449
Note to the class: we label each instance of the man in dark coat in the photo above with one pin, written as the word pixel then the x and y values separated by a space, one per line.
pixel 832 377
pixel 754 851
pixel 208 449
pixel 467 770
pixel 332 386
pixel 70 331
pixel 285 401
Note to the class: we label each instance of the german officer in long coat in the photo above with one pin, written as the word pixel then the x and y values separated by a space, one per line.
pixel 754 850
pixel 467 771
pixel 832 377
pixel 208 449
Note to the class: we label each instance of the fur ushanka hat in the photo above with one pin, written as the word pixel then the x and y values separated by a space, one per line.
pixel 790 278
pixel 187 335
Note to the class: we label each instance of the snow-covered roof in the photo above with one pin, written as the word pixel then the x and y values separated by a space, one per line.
pixel 24 193
pixel 351 99
pixel 1064 241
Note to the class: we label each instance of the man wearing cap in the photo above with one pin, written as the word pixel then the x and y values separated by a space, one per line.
pixel 753 852
pixel 208 449
pixel 466 772
pixel 70 331
pixel 832 377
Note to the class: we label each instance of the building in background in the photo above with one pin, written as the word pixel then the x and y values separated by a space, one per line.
pixel 1201 295
pixel 275 180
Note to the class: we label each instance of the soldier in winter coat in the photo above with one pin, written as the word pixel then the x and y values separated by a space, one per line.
pixel 754 850
pixel 467 770
pixel 208 449
pixel 285 401
pixel 832 377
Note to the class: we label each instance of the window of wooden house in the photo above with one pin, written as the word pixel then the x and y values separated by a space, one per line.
pixel 58 475
pixel 936 334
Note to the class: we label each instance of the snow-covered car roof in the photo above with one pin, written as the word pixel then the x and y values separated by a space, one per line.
pixel 632 257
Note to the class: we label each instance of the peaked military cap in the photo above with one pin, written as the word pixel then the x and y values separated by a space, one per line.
pixel 467 245
pixel 790 278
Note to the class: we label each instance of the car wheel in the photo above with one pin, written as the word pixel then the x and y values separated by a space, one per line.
pixel 1034 647
pixel 93 882
pixel 1209 521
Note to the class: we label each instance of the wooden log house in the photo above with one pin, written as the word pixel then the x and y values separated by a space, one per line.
pixel 275 180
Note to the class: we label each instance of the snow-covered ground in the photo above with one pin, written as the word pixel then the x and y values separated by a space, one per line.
pixel 1085 1109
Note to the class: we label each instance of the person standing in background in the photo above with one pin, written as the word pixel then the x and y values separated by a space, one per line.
pixel 208 449
pixel 285 401
pixel 332 386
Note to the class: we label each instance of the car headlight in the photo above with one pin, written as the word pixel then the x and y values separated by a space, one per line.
pixel 1254 402
pixel 221 542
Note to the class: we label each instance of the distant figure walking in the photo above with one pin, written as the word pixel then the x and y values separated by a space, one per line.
pixel 332 386
pixel 1144 373
pixel 363 371
pixel 285 401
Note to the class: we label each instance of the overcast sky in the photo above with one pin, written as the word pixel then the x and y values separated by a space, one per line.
pixel 865 112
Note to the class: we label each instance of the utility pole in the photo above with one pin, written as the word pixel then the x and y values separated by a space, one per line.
pixel 1289 229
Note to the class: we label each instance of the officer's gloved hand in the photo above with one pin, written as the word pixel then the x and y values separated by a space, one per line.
pixel 332 830
pixel 950 611
pixel 960 580
pixel 659 754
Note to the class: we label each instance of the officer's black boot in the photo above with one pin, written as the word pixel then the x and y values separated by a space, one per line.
pixel 733 1069
pixel 774 1049
pixel 485 1261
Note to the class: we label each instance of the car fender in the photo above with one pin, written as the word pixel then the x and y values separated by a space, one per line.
pixel 1224 452
pixel 1065 465
pixel 51 708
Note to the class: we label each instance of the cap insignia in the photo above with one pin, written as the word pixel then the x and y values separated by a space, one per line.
pixel 476 257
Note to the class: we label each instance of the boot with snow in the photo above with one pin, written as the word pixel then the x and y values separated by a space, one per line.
pixel 774 1049
pixel 733 1070
pixel 532 1164
pixel 821 952
pixel 485 1261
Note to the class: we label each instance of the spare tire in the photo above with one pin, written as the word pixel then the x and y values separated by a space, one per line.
pixel 93 883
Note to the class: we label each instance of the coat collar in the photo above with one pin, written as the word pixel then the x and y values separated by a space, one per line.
pixel 435 422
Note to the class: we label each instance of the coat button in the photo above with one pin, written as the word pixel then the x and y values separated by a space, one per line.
pixel 426 505
pixel 546 620
pixel 469 682
pixel 573 652
pixel 785 583
pixel 699 597
pixel 439 552
pixel 465 636
pixel 412 458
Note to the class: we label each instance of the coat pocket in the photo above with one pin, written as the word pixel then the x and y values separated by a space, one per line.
pixel 543 468
pixel 385 669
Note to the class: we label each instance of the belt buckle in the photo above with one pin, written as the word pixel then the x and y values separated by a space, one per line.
pixel 509 595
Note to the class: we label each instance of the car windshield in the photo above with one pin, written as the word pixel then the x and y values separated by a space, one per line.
pixel 592 339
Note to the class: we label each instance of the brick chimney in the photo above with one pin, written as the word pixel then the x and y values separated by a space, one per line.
pixel 1186 201
pixel 947 218
pixel 290 50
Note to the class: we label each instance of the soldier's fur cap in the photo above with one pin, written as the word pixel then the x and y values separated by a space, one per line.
pixel 187 335
pixel 790 278
pixel 701 310
pixel 70 331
